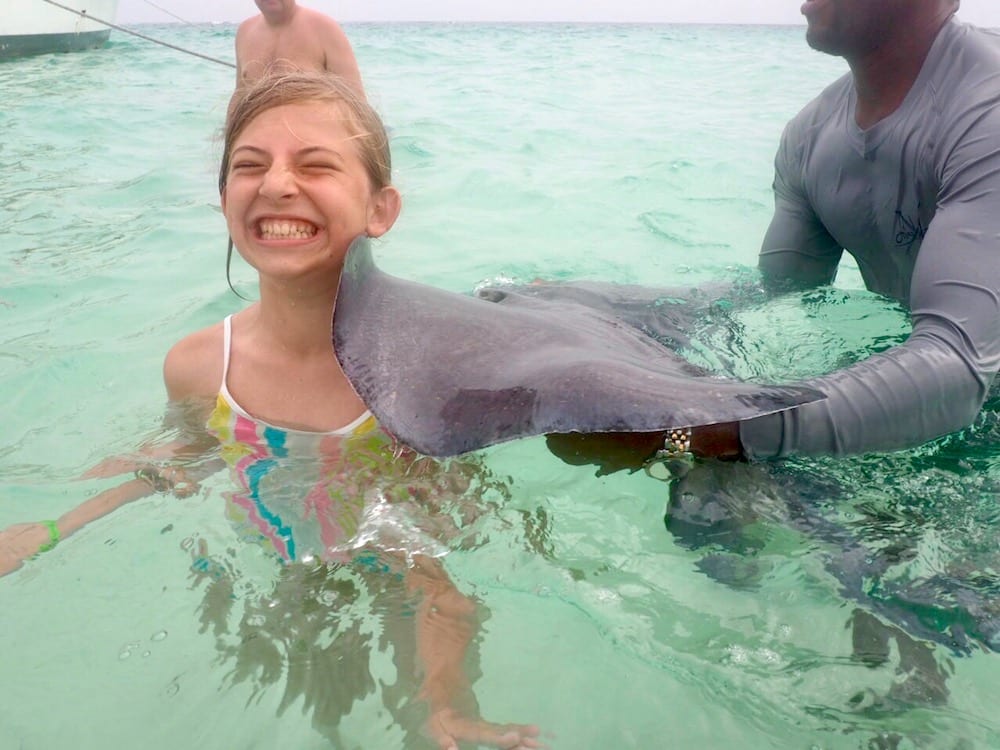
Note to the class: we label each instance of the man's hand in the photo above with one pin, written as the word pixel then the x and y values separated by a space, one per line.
pixel 629 451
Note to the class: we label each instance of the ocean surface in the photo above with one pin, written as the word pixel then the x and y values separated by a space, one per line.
pixel 840 605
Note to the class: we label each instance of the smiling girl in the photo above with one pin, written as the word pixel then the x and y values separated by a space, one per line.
pixel 305 172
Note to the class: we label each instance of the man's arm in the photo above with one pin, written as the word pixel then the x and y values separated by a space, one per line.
pixel 937 380
pixel 797 250
pixel 932 384
pixel 238 48
pixel 338 53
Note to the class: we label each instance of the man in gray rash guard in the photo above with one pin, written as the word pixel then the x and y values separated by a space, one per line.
pixel 898 162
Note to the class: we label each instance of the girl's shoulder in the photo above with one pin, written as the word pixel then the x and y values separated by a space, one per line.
pixel 193 367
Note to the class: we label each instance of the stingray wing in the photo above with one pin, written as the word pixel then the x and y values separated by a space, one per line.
pixel 448 373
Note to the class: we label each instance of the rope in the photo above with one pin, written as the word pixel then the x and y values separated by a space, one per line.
pixel 84 14
pixel 164 10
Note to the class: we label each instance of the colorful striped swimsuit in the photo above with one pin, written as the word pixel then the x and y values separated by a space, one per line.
pixel 295 490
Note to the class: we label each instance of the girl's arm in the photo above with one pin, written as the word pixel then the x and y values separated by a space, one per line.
pixel 176 466
pixel 446 624
pixel 23 540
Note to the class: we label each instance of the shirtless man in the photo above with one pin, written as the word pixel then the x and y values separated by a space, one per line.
pixel 286 35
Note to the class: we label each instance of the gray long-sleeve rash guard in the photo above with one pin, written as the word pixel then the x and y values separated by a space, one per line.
pixel 916 200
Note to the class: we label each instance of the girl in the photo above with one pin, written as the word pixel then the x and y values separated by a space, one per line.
pixel 305 171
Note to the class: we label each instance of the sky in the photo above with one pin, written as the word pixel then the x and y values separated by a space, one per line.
pixel 981 12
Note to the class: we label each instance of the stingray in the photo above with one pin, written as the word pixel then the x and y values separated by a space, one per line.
pixel 448 373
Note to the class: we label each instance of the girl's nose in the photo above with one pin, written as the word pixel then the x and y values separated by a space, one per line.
pixel 279 182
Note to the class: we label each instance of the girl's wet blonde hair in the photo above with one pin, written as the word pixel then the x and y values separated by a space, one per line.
pixel 303 87
pixel 279 89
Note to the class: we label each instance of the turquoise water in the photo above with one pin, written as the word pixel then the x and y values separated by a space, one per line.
pixel 626 153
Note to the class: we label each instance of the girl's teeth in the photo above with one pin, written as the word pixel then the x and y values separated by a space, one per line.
pixel 287 230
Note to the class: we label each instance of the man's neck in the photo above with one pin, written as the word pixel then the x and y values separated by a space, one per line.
pixel 884 76
pixel 280 18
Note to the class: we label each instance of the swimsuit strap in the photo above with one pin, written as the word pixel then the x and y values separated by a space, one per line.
pixel 357 426
pixel 227 340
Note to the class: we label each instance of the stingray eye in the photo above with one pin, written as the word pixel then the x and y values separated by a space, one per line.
pixel 492 295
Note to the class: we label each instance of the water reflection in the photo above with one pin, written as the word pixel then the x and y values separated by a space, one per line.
pixel 909 539
pixel 373 617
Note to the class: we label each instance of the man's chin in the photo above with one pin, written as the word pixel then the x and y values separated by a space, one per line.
pixel 821 42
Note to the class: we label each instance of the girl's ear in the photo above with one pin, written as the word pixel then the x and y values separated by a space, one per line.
pixel 222 201
pixel 385 207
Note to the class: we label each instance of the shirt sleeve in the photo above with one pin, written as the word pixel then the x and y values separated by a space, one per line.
pixel 937 380
pixel 797 249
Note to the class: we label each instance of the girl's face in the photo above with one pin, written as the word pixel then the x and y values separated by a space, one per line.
pixel 297 192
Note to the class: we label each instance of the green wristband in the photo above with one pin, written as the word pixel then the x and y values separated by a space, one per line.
pixel 53 536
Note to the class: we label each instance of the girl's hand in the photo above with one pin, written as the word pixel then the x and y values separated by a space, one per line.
pixel 21 541
pixel 168 479
pixel 113 467
pixel 448 727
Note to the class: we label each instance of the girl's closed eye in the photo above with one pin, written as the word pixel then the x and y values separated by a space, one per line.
pixel 246 165
pixel 320 167
pixel 320 159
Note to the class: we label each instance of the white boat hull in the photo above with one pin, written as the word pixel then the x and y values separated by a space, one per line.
pixel 33 27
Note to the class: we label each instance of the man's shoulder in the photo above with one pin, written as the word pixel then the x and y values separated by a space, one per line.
pixel 976 40
pixel 315 18
pixel 320 28
pixel 965 56
pixel 249 26
pixel 821 107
